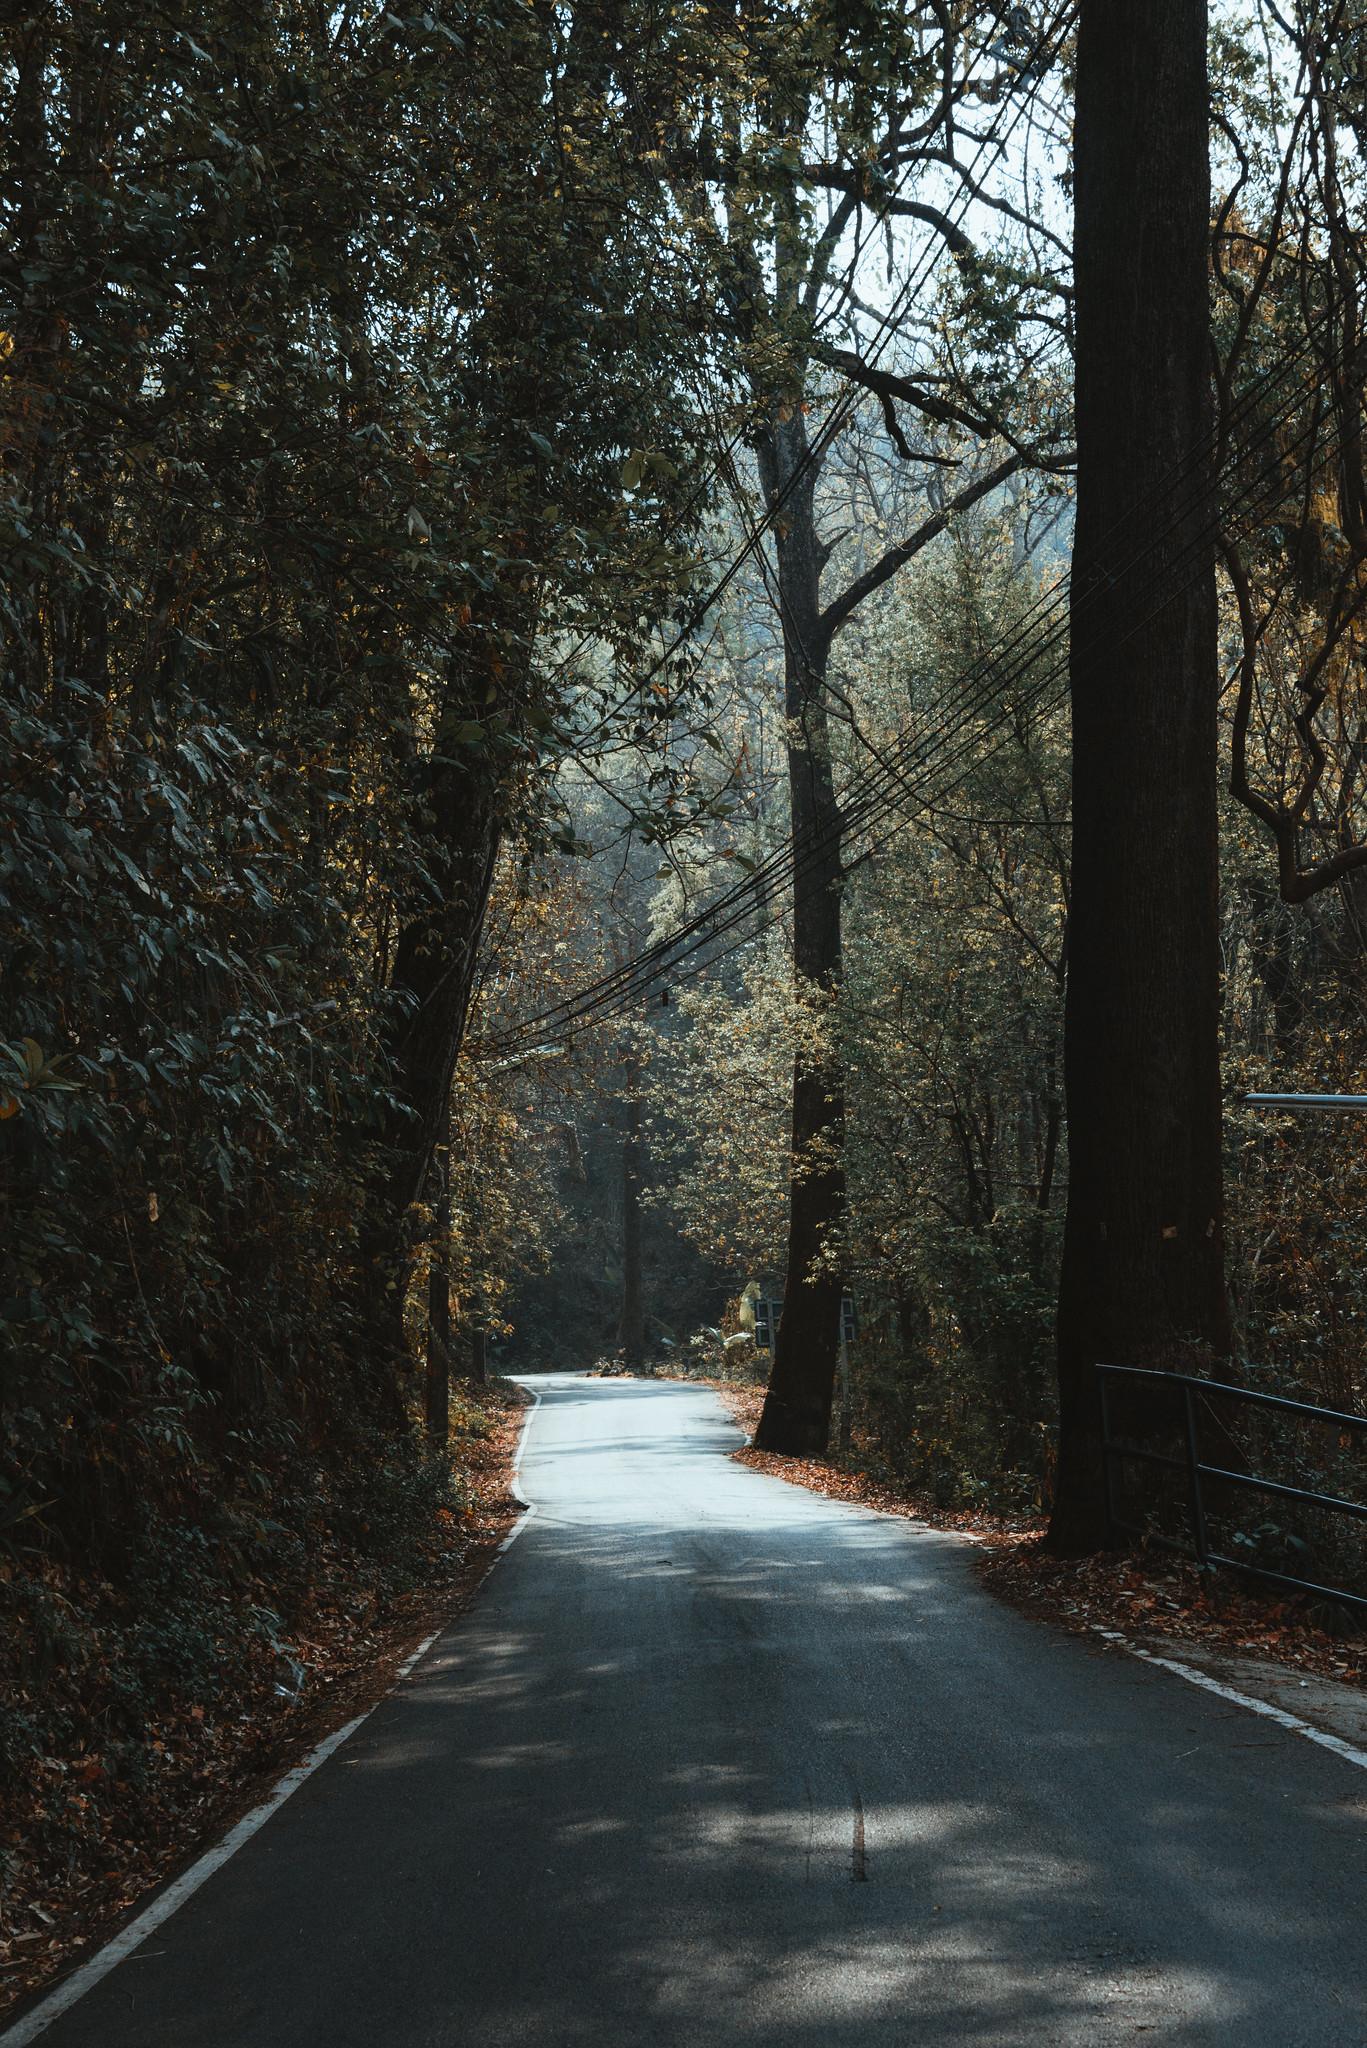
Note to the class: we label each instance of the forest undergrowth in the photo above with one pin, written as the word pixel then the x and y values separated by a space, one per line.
pixel 536 743
pixel 148 1712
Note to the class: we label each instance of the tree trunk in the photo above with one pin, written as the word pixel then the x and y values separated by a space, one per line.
pixel 796 1418
pixel 431 984
pixel 438 1389
pixel 631 1333
pixel 1143 1270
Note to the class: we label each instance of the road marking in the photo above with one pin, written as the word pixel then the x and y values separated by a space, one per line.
pixel 528 1507
pixel 98 1966
pixel 1292 1722
pixel 859 1866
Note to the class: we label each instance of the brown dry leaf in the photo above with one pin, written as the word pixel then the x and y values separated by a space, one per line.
pixel 208 1763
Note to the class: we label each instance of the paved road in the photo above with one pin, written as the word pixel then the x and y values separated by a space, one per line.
pixel 715 1763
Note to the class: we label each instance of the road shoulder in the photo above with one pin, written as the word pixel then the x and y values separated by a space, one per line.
pixel 1145 1604
pixel 47 1932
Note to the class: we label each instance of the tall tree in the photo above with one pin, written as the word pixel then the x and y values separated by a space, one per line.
pixel 806 154
pixel 1143 1277
pixel 797 1409
pixel 1291 276
pixel 549 208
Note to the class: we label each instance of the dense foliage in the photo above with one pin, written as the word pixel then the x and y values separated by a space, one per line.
pixel 304 519
pixel 293 495
pixel 442 443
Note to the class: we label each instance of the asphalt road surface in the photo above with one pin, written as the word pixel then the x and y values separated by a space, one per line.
pixel 716 1763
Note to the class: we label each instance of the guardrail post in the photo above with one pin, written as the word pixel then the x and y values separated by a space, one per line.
pixel 1115 1452
pixel 1198 1507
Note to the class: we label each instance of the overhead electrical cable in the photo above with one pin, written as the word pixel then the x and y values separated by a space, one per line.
pixel 879 789
pixel 1039 698
pixel 606 1002
pixel 1050 47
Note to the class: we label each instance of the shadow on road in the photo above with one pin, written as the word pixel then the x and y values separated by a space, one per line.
pixel 717 1761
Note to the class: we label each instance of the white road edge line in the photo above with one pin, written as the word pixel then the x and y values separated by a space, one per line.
pixel 1293 1722
pixel 98 1966
pixel 528 1507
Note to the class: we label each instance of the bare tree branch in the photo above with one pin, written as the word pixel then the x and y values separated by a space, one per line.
pixel 896 557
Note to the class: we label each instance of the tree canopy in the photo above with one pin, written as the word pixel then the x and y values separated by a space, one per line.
pixel 656 658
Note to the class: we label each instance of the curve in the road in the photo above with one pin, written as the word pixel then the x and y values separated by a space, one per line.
pixel 718 1763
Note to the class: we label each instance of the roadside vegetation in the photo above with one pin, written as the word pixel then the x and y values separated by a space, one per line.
pixel 554 785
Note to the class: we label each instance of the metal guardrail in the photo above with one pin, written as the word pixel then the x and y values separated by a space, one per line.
pixel 1114 1452
pixel 1293 1102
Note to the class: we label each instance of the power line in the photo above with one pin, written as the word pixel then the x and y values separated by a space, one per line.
pixel 612 993
pixel 1039 698
pixel 750 894
pixel 1050 47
